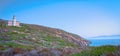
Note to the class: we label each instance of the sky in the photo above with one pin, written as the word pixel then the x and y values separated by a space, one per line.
pixel 87 18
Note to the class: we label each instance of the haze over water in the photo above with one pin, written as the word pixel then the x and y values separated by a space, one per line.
pixel 105 40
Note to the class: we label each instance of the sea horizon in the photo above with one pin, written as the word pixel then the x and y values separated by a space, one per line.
pixel 102 42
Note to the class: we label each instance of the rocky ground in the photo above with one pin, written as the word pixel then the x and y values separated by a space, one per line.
pixel 37 40
pixel 39 52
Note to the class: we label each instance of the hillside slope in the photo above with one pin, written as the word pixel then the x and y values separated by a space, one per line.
pixel 29 35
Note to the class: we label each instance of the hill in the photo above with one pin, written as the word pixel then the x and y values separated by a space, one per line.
pixel 48 41
pixel 37 40
pixel 106 37
pixel 30 36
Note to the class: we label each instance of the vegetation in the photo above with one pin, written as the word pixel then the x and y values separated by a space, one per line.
pixel 7 45
pixel 41 40
pixel 37 36
pixel 97 51
pixel 45 41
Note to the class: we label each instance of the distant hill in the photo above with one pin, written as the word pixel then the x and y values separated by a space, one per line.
pixel 106 37
pixel 30 35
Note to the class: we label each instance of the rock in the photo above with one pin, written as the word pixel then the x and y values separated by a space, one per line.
pixel 18 55
pixel 1 53
pixel 18 51
pixel 32 53
pixel 9 52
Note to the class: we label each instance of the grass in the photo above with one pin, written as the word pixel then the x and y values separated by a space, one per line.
pixel 14 45
pixel 97 51
pixel 60 42
pixel 34 35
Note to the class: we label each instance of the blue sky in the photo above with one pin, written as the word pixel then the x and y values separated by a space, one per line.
pixel 87 18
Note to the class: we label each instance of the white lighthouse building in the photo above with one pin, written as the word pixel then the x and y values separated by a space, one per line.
pixel 13 22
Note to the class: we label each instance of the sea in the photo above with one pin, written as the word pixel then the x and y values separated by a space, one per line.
pixel 101 42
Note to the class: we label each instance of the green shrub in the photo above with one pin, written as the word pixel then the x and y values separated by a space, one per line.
pixel 14 45
pixel 97 51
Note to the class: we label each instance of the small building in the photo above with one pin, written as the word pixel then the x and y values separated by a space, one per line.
pixel 13 22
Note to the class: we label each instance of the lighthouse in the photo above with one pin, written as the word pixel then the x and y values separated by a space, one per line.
pixel 13 22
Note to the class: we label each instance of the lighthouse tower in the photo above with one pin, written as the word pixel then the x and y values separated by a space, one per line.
pixel 14 21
